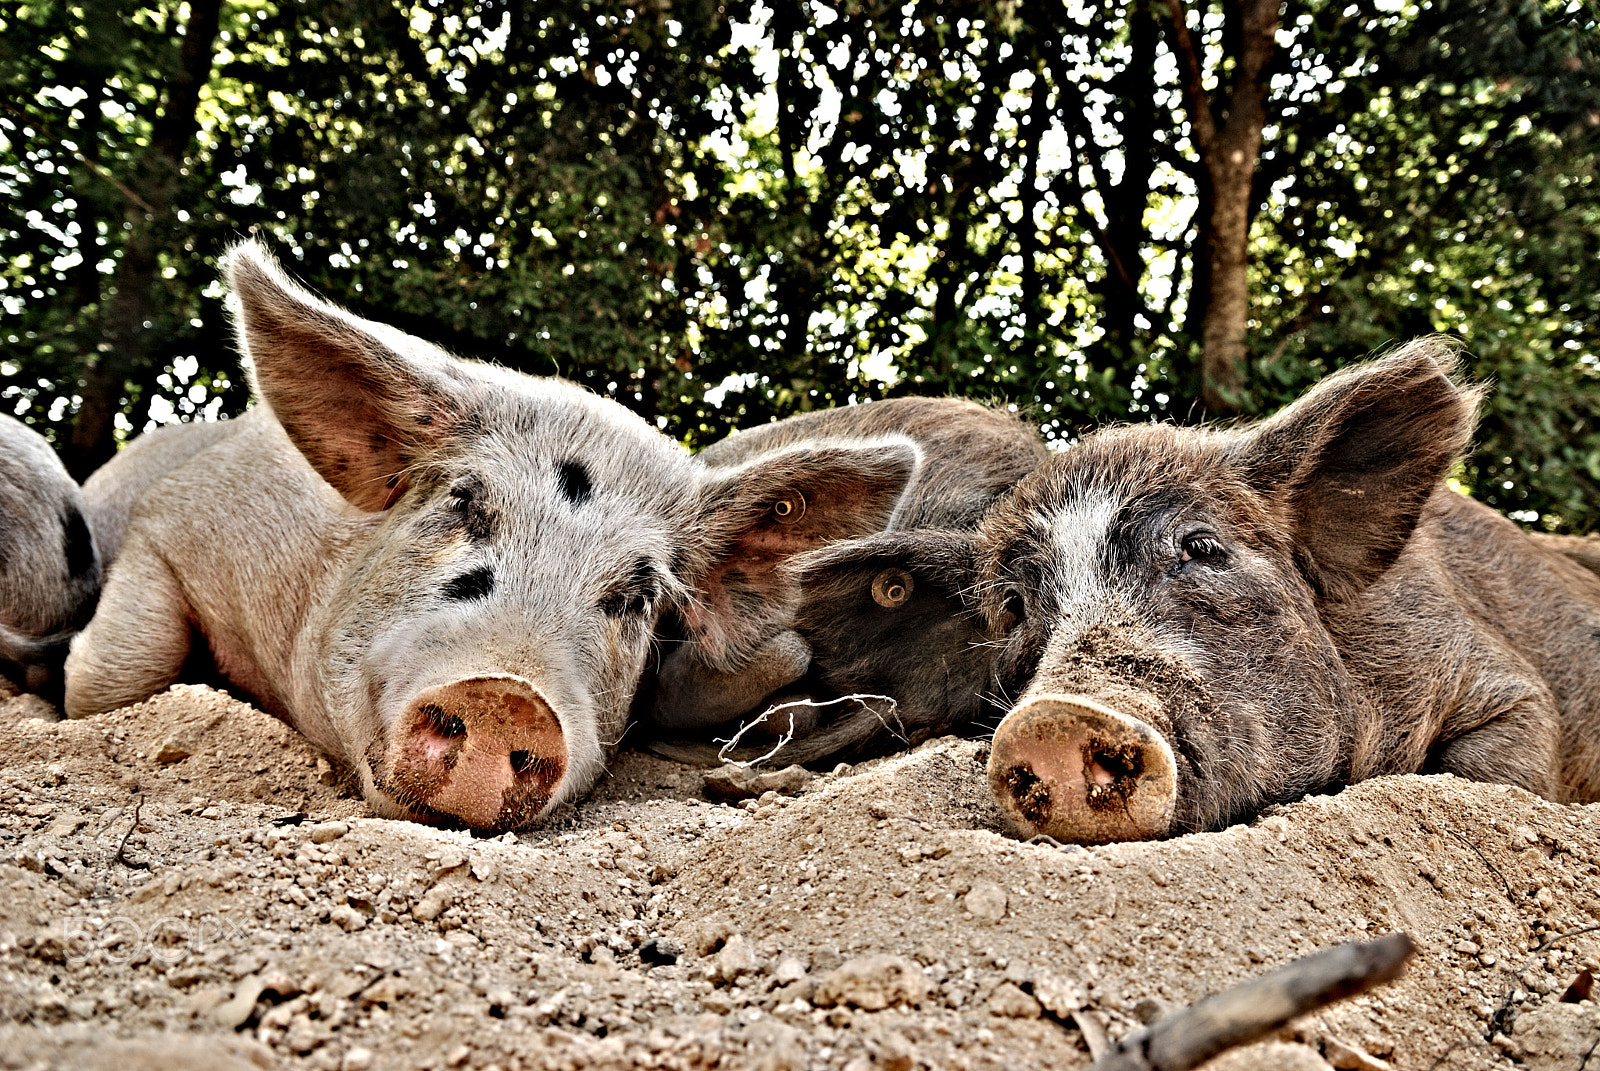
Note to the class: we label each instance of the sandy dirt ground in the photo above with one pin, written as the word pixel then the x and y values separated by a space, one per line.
pixel 183 885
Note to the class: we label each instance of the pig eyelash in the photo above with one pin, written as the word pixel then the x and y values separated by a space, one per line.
pixel 637 596
pixel 979 592
pixel 1014 606
pixel 1200 546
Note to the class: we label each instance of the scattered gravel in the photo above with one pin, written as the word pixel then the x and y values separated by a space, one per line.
pixel 232 908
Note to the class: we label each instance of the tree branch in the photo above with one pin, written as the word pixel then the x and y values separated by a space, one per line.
pixel 1253 1009
pixel 1192 77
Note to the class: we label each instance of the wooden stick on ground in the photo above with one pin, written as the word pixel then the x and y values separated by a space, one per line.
pixel 1253 1009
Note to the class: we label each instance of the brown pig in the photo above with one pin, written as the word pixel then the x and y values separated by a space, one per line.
pixel 747 640
pixel 445 574
pixel 1196 623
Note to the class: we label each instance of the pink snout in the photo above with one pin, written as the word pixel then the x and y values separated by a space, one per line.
pixel 488 751
pixel 1074 769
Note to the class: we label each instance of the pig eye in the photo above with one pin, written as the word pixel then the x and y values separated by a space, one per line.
pixel 635 596
pixel 1013 610
pixel 472 515
pixel 891 587
pixel 1199 547
pixel 790 508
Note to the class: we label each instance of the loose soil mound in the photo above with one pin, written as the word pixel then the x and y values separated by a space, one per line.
pixel 185 887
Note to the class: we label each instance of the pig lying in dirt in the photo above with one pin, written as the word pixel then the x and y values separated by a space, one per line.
pixel 1203 622
pixel 49 565
pixel 443 573
pixel 756 637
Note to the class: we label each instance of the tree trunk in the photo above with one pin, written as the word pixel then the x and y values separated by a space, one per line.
pixel 1227 134
pixel 131 316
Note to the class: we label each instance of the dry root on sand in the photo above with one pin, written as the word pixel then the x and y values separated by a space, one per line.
pixel 1246 1012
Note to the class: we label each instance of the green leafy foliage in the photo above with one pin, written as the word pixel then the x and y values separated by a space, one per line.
pixel 724 213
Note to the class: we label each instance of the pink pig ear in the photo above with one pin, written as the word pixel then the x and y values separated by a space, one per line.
pixel 362 401
pixel 1352 463
pixel 754 517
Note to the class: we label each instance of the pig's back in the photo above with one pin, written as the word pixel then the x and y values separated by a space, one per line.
pixel 1546 604
pixel 971 453
pixel 110 493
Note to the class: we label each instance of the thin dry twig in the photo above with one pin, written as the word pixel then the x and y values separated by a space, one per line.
pixel 1253 1009
pixel 788 735
pixel 733 741
pixel 1494 869
pixel 138 804
pixel 1558 938
pixel 1500 1021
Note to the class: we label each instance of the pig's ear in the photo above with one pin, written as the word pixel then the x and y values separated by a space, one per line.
pixel 360 400
pixel 1353 462
pixel 755 516
pixel 946 560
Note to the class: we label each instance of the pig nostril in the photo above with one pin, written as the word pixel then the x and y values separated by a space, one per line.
pixel 1031 793
pixel 521 762
pixel 1111 771
pixel 446 725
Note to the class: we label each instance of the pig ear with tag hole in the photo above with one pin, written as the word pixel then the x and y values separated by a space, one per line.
pixel 1353 462
pixel 360 400
pixel 753 517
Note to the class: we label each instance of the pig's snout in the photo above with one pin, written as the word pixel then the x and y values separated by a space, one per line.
pixel 488 751
pixel 1074 769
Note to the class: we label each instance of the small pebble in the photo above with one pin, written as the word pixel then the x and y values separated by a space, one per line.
pixel 986 900
pixel 324 832
pixel 660 952
pixel 172 750
pixel 789 969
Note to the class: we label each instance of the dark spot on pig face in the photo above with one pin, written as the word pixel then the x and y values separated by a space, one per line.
pixel 573 480
pixel 527 620
pixel 1136 569
pixel 473 584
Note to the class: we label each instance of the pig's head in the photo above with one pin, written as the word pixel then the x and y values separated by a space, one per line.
pixel 1161 593
pixel 737 644
pixel 49 567
pixel 511 543
pixel 889 617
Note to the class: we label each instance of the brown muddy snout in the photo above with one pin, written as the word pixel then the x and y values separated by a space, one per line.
pixel 487 750
pixel 1072 768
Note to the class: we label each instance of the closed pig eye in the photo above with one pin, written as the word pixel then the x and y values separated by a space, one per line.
pixel 1013 610
pixel 1202 547
pixel 635 596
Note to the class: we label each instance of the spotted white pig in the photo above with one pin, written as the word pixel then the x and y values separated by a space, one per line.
pixel 443 573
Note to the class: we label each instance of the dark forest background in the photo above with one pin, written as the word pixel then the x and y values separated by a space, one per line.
pixel 719 213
